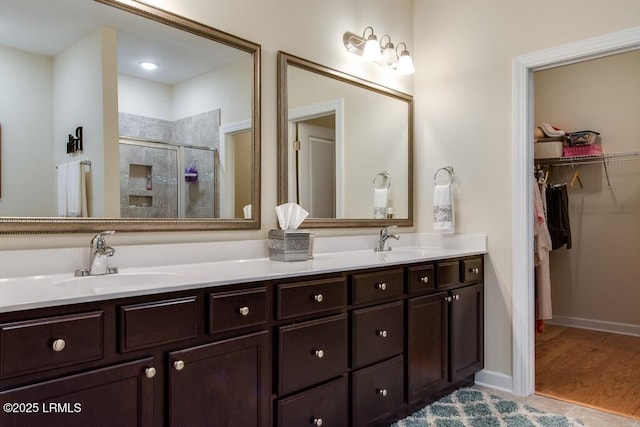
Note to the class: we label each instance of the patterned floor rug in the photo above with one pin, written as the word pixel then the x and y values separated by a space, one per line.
pixel 473 408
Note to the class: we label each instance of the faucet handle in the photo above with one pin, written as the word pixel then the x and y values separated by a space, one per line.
pixel 98 239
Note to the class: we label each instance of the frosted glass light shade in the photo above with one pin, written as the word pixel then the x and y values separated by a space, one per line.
pixel 372 50
pixel 405 64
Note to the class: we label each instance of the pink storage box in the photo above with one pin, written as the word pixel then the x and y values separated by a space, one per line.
pixel 582 150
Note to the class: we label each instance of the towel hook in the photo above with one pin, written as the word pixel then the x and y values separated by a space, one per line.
pixel 447 169
pixel 384 175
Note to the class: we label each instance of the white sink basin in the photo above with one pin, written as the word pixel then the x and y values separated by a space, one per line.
pixel 120 280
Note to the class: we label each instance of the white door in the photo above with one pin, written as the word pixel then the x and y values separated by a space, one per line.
pixel 316 163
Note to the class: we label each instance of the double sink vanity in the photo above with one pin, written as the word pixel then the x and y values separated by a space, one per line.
pixel 350 338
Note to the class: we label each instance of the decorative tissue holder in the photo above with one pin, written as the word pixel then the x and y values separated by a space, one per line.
pixel 289 245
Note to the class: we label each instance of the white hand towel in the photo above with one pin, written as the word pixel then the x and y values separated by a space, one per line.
pixel 62 189
pixel 76 190
pixel 380 202
pixel 443 209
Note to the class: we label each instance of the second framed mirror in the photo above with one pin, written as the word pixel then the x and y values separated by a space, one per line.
pixel 345 147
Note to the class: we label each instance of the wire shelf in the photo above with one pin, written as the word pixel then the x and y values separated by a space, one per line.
pixel 603 159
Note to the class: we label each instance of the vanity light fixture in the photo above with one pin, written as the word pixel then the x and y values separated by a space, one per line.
pixel 148 65
pixel 384 52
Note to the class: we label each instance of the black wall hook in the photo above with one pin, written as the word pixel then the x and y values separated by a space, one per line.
pixel 75 144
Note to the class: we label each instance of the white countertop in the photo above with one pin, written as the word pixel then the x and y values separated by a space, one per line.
pixel 45 290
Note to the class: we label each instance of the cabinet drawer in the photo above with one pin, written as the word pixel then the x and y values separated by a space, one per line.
pixel 50 342
pixel 239 309
pixel 326 405
pixel 159 322
pixel 296 299
pixel 377 391
pixel 448 274
pixel 369 287
pixel 378 333
pixel 311 352
pixel 472 270
pixel 421 278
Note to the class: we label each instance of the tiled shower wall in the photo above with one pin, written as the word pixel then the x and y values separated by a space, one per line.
pixel 156 195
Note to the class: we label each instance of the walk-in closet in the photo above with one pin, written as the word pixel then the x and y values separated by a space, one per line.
pixel 588 349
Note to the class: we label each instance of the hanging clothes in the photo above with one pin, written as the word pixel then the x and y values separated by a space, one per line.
pixel 543 245
pixel 558 216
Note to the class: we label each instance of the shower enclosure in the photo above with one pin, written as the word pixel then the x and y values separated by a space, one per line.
pixel 167 180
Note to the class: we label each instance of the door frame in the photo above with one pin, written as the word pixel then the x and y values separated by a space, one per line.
pixel 226 156
pixel 336 107
pixel 523 313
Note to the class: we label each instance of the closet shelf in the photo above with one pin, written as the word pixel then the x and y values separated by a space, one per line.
pixel 602 159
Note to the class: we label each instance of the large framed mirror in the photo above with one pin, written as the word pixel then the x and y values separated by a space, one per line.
pixel 345 147
pixel 92 141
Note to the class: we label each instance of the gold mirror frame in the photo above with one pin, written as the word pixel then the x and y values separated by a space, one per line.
pixel 285 60
pixel 27 225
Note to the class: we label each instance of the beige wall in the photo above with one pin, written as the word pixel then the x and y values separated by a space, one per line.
pixel 464 53
pixel 596 278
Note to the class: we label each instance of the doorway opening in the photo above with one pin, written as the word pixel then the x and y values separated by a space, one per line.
pixel 523 351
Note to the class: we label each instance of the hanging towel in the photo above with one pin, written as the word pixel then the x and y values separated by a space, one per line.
pixel 62 189
pixel 380 202
pixel 443 209
pixel 72 190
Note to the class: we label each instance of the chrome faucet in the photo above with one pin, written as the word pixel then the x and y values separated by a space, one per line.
pixel 99 254
pixel 384 236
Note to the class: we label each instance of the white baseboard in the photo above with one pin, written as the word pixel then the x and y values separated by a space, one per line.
pixel 596 325
pixel 495 380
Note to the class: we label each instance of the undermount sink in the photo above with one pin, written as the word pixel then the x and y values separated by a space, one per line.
pixel 120 280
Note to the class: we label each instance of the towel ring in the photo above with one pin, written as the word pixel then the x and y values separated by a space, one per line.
pixel 447 169
pixel 384 175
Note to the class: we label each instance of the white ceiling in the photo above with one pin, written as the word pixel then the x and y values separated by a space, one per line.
pixel 47 27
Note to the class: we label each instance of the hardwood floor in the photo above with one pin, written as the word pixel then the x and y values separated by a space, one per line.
pixel 592 368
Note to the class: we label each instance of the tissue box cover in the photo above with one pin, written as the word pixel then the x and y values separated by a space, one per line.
pixel 288 245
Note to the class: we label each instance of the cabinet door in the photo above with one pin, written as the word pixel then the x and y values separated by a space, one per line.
pixel 467 328
pixel 120 395
pixel 427 345
pixel 226 383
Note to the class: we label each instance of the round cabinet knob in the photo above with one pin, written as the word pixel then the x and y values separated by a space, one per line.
pixel 448 299
pixel 382 286
pixel 58 345
pixel 178 365
pixel 475 270
pixel 318 298
pixel 382 392
pixel 150 372
pixel 382 333
pixel 319 354
pixel 317 421
pixel 456 297
pixel 244 311
pixel 424 279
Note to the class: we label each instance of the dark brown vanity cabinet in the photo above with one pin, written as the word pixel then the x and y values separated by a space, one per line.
pixel 445 341
pixel 350 349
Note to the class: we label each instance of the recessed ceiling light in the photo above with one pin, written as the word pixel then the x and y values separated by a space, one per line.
pixel 148 65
